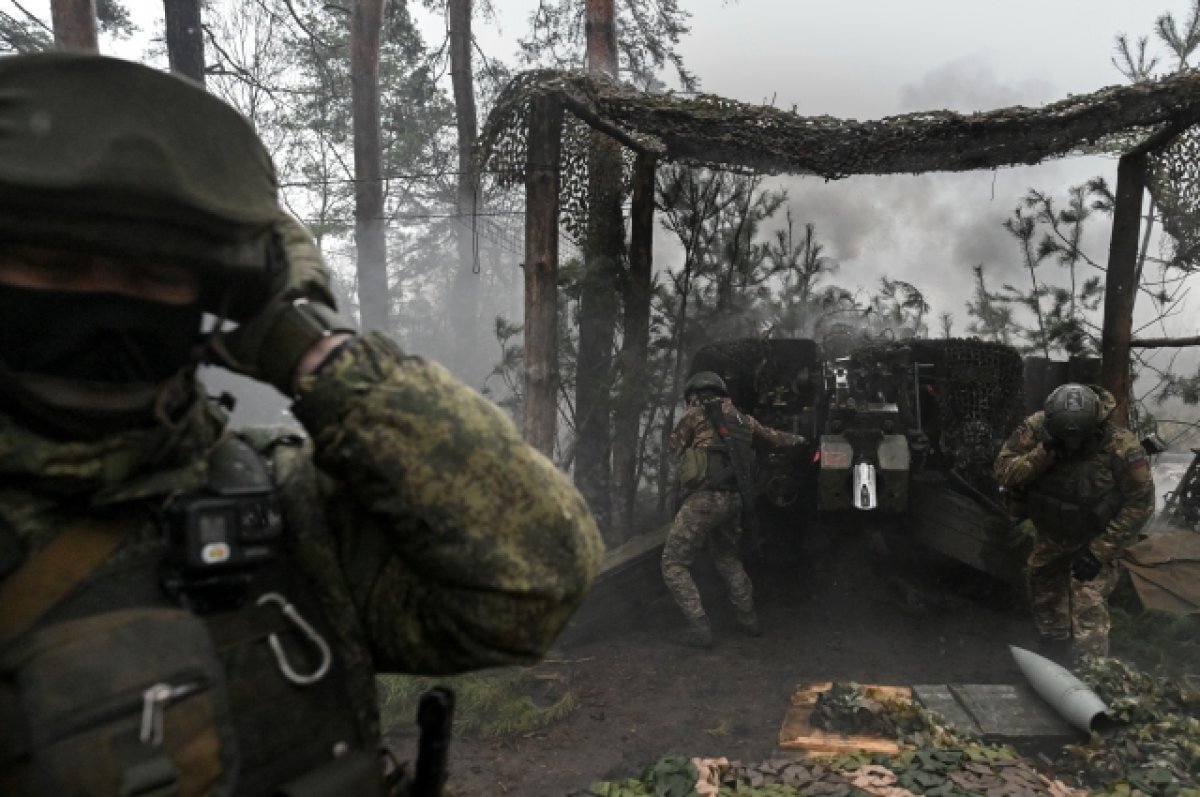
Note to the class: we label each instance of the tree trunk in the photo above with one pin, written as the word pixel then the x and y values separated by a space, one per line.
pixel 1120 289
pixel 74 24
pixel 666 455
pixel 598 299
pixel 465 313
pixel 370 233
pixel 597 322
pixel 600 27
pixel 541 273
pixel 634 346
pixel 185 38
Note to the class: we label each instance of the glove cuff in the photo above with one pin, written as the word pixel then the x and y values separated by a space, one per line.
pixel 297 327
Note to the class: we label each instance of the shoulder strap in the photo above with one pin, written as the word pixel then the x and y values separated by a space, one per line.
pixel 53 573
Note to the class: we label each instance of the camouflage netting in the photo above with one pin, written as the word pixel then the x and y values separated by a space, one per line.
pixel 979 393
pixel 1173 183
pixel 1155 752
pixel 714 131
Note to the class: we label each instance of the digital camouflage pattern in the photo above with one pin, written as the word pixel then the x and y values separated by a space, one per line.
pixel 1114 469
pixel 440 540
pixel 462 545
pixel 711 516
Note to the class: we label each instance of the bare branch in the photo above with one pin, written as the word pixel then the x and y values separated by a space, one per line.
pixel 1165 343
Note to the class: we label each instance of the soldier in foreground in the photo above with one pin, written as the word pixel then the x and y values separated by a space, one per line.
pixel 189 610
pixel 1084 482
pixel 716 442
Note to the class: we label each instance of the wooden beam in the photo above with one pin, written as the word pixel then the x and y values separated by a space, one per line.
pixel 541 272
pixel 597 122
pixel 1120 289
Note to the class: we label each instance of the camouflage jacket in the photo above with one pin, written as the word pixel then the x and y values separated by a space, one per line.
pixel 439 540
pixel 694 430
pixel 1116 467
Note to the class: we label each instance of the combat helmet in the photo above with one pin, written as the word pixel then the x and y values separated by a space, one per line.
pixel 1074 415
pixel 705 381
pixel 110 157
pixel 107 158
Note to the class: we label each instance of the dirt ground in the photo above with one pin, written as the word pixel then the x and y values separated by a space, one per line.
pixel 840 610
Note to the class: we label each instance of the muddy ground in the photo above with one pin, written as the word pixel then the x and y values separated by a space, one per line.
pixel 839 610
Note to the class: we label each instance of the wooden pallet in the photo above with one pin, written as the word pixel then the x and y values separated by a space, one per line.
pixel 798 732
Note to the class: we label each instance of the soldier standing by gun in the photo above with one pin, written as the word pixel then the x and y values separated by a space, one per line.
pixel 716 475
pixel 1085 484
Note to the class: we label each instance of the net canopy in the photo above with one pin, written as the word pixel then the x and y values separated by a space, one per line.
pixel 713 131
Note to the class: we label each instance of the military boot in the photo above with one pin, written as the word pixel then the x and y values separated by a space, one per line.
pixel 748 623
pixel 698 634
pixel 1059 651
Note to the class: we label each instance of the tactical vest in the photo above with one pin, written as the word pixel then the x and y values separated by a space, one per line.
pixel 1075 499
pixel 711 467
pixel 121 688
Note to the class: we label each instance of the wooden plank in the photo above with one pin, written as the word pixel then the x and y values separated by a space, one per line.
pixel 939 698
pixel 958 527
pixel 1007 712
pixel 798 733
pixel 629 580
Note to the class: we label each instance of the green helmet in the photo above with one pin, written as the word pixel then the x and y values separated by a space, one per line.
pixel 110 157
pixel 1073 414
pixel 705 380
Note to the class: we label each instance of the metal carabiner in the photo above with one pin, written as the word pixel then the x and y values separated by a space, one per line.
pixel 285 667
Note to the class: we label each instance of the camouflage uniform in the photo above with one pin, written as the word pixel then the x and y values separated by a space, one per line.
pixel 711 516
pixel 422 534
pixel 1111 485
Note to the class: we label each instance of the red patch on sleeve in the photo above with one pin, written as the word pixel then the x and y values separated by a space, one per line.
pixel 1137 460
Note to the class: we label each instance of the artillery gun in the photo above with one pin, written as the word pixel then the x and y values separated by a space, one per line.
pixel 905 431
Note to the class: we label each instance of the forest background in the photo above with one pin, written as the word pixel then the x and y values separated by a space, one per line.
pixel 1014 255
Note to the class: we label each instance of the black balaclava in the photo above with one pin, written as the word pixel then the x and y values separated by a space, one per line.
pixel 81 364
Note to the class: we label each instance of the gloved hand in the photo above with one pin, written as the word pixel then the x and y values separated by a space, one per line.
pixel 1048 442
pixel 1085 566
pixel 1021 534
pixel 299 312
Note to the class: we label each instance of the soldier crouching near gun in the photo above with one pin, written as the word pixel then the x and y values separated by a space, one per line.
pixel 1084 483
pixel 190 610
pixel 714 459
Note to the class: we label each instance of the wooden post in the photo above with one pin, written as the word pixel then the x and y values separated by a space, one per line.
pixel 74 24
pixel 634 345
pixel 541 272
pixel 1120 289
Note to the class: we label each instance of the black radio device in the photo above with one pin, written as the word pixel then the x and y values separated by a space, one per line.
pixel 218 537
